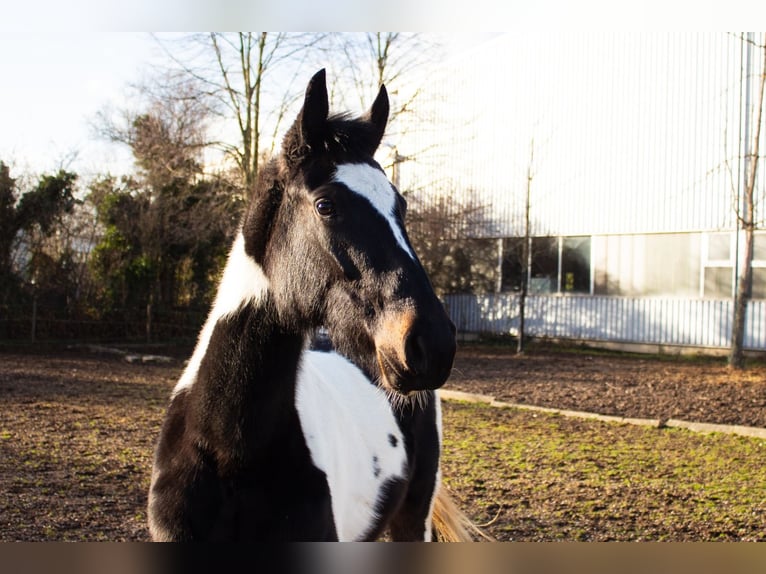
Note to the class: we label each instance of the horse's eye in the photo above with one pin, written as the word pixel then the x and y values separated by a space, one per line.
pixel 325 207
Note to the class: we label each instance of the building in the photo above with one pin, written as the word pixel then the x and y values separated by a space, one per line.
pixel 629 153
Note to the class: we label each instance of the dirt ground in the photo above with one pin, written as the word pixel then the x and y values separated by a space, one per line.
pixel 694 389
pixel 77 428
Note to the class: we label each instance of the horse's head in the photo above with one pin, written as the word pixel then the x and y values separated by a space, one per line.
pixel 327 228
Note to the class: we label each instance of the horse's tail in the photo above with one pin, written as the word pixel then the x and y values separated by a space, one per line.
pixel 451 524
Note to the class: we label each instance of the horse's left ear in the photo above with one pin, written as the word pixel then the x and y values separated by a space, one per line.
pixel 378 116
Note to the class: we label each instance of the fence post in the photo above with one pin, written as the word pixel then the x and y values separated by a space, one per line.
pixel 34 315
pixel 149 321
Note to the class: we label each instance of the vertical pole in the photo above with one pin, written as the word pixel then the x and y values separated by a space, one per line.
pixel 149 320
pixel 34 314
pixel 560 245
pixel 526 256
pixel 745 165
pixel 499 281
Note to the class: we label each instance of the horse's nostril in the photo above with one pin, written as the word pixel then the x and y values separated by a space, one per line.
pixel 416 353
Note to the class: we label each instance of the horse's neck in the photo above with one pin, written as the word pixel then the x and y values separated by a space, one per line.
pixel 358 353
pixel 250 368
pixel 245 364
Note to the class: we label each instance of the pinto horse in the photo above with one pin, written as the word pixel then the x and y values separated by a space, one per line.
pixel 266 438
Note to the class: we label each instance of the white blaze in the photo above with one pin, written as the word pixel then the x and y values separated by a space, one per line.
pixel 373 185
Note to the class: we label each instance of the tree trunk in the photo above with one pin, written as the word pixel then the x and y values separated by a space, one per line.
pixel 746 220
pixel 525 256
pixel 522 302
pixel 741 297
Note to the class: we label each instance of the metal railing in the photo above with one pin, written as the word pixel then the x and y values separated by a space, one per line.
pixel 659 321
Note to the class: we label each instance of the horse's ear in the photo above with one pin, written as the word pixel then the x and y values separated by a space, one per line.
pixel 307 134
pixel 378 116
pixel 313 116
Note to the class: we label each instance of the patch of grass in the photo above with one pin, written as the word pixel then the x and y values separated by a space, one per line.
pixel 555 478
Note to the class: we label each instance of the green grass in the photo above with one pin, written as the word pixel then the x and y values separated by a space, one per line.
pixel 548 477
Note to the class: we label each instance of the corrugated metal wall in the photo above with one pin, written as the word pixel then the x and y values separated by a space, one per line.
pixel 660 321
pixel 620 133
pixel 632 133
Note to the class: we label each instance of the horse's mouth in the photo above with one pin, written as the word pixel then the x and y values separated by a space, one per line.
pixel 399 378
pixel 392 375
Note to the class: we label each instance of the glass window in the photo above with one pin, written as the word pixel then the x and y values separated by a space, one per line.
pixel 718 282
pixel 575 265
pixel 544 273
pixel 759 247
pixel 719 270
pixel 513 250
pixel 671 265
pixel 719 247
pixel 759 283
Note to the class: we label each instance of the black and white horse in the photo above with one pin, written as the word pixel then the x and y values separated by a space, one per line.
pixel 267 439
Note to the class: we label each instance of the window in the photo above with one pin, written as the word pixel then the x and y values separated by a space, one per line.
pixel 759 282
pixel 659 265
pixel 759 266
pixel 671 263
pixel 718 266
pixel 575 265
pixel 656 265
pixel 544 272
pixel 718 282
pixel 513 250
pixel 558 265
pixel 719 247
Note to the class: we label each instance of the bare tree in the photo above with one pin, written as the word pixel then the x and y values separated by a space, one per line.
pixel 747 222
pixel 255 79
pixel 525 253
pixel 396 59
pixel 249 77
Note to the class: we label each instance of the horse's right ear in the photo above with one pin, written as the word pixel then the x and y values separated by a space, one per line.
pixel 313 116
pixel 307 134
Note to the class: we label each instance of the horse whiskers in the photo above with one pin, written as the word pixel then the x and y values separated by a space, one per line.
pixel 400 402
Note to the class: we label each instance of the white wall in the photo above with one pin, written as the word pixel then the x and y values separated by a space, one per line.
pixel 633 133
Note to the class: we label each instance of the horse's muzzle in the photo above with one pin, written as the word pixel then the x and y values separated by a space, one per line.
pixel 416 353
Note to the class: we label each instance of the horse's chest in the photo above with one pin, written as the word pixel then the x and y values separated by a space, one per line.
pixel 353 438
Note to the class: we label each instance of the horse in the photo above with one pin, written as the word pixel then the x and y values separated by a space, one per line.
pixel 269 437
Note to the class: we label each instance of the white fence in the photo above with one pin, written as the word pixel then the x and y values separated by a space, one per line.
pixel 659 321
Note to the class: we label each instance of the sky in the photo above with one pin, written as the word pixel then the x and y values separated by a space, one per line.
pixel 52 88
pixel 54 85
pixel 61 62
